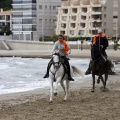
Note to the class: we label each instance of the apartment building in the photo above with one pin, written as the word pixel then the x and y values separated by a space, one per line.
pixel 47 16
pixel 33 19
pixel 5 19
pixel 24 19
pixel 83 17
pixel 112 18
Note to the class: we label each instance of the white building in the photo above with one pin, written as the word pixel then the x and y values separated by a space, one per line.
pixel 83 17
pixel 47 16
pixel 33 19
pixel 5 19
pixel 24 19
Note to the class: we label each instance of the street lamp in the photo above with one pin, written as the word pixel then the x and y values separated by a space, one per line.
pixel 116 28
pixel 68 28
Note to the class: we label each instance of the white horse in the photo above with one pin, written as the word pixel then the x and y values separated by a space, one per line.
pixel 57 74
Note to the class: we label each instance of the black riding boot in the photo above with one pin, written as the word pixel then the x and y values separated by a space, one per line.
pixel 68 68
pixel 89 68
pixel 48 67
pixel 47 73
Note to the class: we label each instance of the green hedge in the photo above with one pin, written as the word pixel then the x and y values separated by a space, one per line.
pixel 55 38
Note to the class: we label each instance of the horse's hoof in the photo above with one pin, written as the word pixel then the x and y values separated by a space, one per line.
pixel 50 101
pixel 64 100
pixel 104 89
pixel 92 90
pixel 55 94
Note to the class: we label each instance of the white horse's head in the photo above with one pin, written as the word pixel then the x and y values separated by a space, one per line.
pixel 56 59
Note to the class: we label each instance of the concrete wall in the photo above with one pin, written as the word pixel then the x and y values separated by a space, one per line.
pixel 2 37
pixel 36 45
pixel 29 45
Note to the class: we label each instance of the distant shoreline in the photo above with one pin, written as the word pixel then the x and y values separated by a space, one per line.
pixel 76 53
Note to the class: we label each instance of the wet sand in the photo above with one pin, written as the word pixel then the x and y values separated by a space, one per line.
pixel 82 103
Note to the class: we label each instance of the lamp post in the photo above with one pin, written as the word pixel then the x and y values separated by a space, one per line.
pixel 116 28
pixel 43 21
pixel 90 24
pixel 68 28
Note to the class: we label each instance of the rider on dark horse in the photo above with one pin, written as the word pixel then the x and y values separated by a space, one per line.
pixel 64 49
pixel 101 41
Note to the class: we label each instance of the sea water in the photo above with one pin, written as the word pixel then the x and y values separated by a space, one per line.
pixel 25 74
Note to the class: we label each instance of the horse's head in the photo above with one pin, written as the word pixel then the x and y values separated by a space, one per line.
pixel 95 52
pixel 56 59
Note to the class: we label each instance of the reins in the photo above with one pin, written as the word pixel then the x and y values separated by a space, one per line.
pixel 57 68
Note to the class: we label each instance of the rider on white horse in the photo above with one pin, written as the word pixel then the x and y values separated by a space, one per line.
pixel 64 49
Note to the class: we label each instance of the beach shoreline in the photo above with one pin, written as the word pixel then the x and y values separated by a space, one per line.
pixel 82 104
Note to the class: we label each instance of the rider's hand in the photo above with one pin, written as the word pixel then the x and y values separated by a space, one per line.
pixel 101 46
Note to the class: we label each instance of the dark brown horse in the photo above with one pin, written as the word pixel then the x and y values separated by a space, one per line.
pixel 100 66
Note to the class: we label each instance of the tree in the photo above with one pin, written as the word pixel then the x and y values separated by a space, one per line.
pixel 6 4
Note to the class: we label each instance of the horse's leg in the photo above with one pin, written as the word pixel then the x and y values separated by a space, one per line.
pixel 98 81
pixel 93 88
pixel 106 77
pixel 102 79
pixel 55 90
pixel 56 84
pixel 63 86
pixel 66 90
pixel 51 90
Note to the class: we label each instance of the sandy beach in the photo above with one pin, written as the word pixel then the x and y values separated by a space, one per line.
pixel 82 103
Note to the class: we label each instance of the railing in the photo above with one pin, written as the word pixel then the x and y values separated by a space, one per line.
pixel 23 16
pixel 20 2
pixel 19 9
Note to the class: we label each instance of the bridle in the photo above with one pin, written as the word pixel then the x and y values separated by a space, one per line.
pixel 56 63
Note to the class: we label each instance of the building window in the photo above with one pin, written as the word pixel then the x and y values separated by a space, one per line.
pixel 54 7
pixel 40 6
pixel 65 11
pixel 63 25
pixel 45 6
pixel 74 10
pixel 64 18
pixel 72 32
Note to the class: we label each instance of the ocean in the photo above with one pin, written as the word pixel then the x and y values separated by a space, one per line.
pixel 25 74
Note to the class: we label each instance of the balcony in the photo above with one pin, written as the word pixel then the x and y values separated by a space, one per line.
pixel 65 3
pixel 19 16
pixel 96 13
pixel 74 10
pixel 86 2
pixel 22 9
pixel 95 2
pixel 65 11
pixel 23 2
pixel 73 18
pixel 82 25
pixel 64 18
pixel 63 25
pixel 83 17
pixel 84 10
pixel 72 25
pixel 75 2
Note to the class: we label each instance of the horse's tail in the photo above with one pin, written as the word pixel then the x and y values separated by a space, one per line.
pixel 77 72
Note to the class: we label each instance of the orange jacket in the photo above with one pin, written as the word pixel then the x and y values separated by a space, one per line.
pixel 97 35
pixel 65 50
